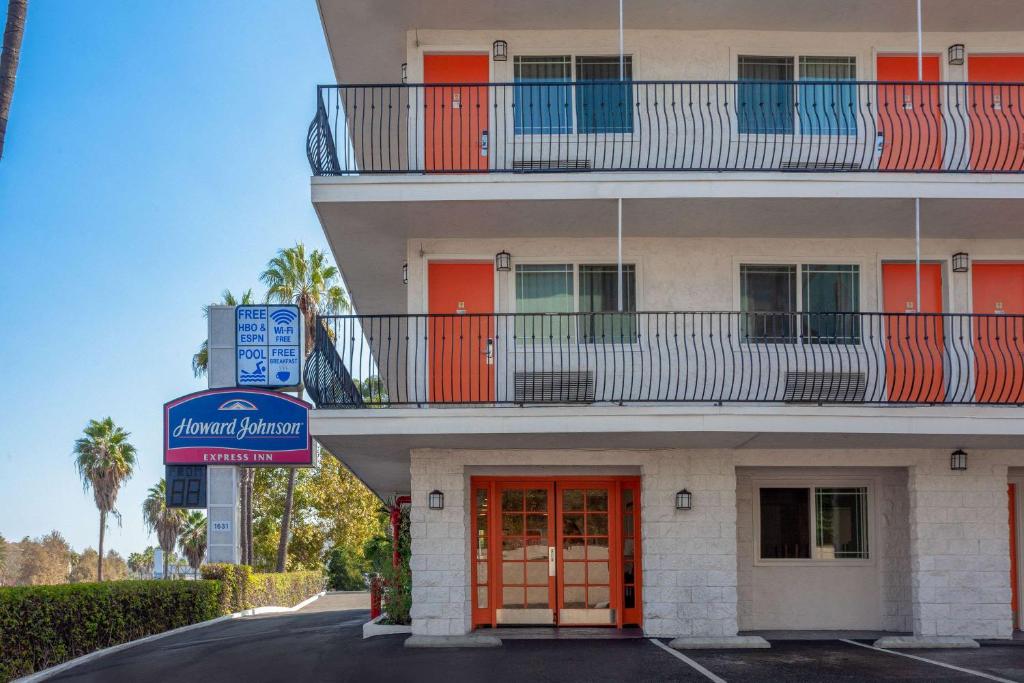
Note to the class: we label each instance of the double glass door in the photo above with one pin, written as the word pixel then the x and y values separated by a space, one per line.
pixel 556 552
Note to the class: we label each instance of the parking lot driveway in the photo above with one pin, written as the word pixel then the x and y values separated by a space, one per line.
pixel 833 660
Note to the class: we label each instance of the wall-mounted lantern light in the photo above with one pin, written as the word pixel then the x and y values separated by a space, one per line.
pixel 500 51
pixel 956 54
pixel 405 72
pixel 961 262
pixel 684 500
pixel 958 460
pixel 435 500
pixel 503 261
pixel 405 273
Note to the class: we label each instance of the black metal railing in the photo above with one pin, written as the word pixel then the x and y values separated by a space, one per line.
pixel 720 357
pixel 823 126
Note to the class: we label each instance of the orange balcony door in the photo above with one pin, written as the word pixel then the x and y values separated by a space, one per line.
pixel 460 332
pixel 914 343
pixel 998 292
pixel 909 115
pixel 997 122
pixel 455 116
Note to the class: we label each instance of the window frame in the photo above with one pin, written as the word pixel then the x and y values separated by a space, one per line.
pixel 573 128
pixel 576 263
pixel 736 53
pixel 812 483
pixel 800 263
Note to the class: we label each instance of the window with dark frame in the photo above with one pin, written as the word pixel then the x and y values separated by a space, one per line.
pixel 540 105
pixel 785 523
pixel 764 97
pixel 604 101
pixel 767 295
pixel 840 523
pixel 599 285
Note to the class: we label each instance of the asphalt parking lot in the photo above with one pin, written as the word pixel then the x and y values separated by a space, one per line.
pixel 324 643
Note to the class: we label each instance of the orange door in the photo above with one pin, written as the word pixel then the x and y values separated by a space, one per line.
pixel 454 115
pixel 998 333
pixel 997 121
pixel 588 568
pixel 914 343
pixel 909 115
pixel 461 332
pixel 525 585
pixel 1014 558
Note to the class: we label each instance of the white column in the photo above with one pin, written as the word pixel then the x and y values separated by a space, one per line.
pixel 223 515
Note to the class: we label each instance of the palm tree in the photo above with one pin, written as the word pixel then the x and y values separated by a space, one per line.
pixel 193 540
pixel 201 359
pixel 105 460
pixel 314 285
pixel 166 522
pixel 14 31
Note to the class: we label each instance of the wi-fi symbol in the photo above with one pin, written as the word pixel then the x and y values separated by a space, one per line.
pixel 283 316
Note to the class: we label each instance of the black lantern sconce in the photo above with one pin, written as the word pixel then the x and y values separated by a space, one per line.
pixel 405 273
pixel 503 261
pixel 958 460
pixel 961 262
pixel 684 500
pixel 956 54
pixel 435 500
pixel 405 72
pixel 500 51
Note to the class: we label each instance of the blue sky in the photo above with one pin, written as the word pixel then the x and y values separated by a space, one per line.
pixel 155 156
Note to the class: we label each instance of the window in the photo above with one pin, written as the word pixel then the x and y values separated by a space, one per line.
pixel 605 106
pixel 840 523
pixel 765 99
pixel 548 288
pixel 542 107
pixel 828 108
pixel 828 296
pixel 599 285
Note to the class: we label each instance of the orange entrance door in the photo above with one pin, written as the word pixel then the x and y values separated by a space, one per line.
pixel 909 115
pixel 997 119
pixel 460 331
pixel 914 343
pixel 556 551
pixel 455 112
pixel 998 298
pixel 1014 558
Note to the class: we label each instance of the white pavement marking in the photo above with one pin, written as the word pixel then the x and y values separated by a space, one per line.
pixel 961 669
pixel 680 656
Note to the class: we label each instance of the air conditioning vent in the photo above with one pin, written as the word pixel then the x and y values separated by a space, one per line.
pixel 564 386
pixel 552 165
pixel 825 387
pixel 819 165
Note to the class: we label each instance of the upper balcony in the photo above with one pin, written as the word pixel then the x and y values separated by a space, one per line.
pixel 805 126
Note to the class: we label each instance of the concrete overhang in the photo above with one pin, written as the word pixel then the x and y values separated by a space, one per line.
pixel 367 38
pixel 375 443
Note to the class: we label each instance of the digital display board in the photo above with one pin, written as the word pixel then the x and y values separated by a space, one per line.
pixel 186 486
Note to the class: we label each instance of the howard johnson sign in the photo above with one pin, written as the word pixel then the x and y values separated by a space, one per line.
pixel 237 427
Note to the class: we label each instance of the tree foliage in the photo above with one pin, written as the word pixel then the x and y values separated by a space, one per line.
pixel 193 539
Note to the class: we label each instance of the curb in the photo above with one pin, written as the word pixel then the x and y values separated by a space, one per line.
pixel 77 661
pixel 375 628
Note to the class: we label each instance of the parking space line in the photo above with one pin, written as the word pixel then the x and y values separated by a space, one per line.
pixel 680 656
pixel 961 669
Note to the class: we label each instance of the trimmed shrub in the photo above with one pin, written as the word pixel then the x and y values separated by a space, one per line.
pixel 42 626
pixel 242 589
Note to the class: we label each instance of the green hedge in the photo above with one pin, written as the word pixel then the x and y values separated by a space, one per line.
pixel 42 626
pixel 244 589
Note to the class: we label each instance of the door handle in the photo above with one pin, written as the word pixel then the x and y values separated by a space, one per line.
pixel 484 139
pixel 489 352
pixel 551 560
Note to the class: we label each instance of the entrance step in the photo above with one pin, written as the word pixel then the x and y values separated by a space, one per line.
pixel 561 633
pixel 720 643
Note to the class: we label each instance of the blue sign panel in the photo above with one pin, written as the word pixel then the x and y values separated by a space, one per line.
pixel 268 341
pixel 237 427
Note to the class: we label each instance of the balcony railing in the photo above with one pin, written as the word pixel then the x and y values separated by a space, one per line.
pixel 821 126
pixel 667 357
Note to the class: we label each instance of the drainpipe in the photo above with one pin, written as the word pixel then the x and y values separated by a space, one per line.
pixel 917 200
pixel 622 77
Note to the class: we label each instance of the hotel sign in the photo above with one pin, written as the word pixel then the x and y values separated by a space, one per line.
pixel 268 346
pixel 237 427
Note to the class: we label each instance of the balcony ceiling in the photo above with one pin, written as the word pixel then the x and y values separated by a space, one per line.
pixel 367 37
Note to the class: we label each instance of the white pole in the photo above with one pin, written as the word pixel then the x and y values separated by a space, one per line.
pixel 620 256
pixel 917 200
pixel 622 47
pixel 920 45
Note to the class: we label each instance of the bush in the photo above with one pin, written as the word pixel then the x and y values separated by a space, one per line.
pixel 345 570
pixel 42 626
pixel 242 589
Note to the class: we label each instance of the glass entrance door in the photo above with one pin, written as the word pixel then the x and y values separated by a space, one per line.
pixel 556 552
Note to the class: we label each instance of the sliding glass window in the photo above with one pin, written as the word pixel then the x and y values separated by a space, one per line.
pixel 541 290
pixel 768 303
pixel 831 298
pixel 604 101
pixel 764 97
pixel 599 285
pixel 827 105
pixel 541 104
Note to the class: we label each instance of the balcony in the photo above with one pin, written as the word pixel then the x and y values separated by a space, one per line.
pixel 377 361
pixel 784 126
